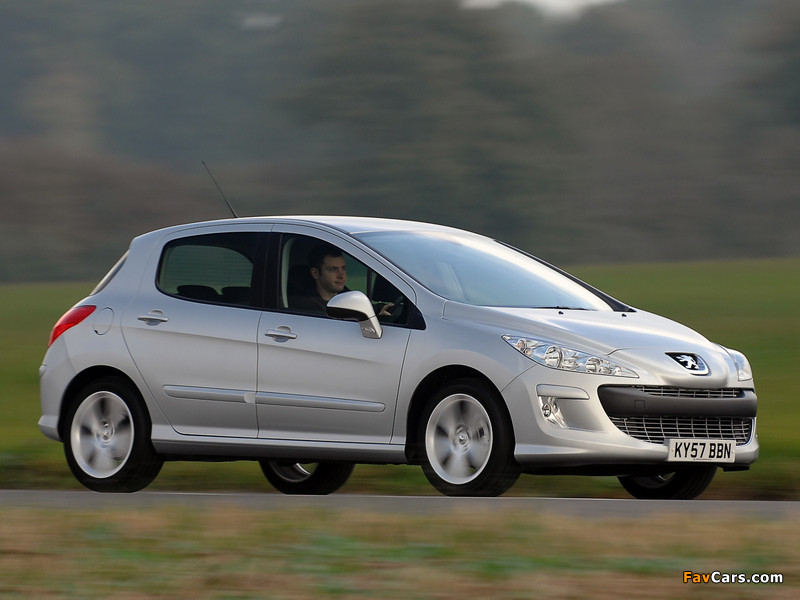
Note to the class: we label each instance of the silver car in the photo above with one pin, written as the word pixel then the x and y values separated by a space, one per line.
pixel 310 344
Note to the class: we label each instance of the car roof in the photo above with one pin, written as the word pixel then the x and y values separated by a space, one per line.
pixel 347 224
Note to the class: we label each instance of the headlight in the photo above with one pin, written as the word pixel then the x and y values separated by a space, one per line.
pixel 555 356
pixel 743 369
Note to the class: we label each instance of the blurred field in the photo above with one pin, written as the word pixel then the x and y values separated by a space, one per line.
pixel 224 551
pixel 747 305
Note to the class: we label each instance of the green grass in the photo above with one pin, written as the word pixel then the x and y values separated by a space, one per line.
pixel 27 314
pixel 748 305
pixel 224 551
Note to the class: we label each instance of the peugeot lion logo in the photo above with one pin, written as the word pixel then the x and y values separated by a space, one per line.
pixel 691 362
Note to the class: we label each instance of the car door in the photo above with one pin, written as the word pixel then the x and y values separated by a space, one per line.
pixel 192 332
pixel 320 379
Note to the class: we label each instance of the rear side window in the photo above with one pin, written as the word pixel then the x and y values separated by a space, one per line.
pixel 215 268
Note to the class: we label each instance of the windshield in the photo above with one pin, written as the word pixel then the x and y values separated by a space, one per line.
pixel 476 270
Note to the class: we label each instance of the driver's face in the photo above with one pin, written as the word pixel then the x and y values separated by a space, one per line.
pixel 332 277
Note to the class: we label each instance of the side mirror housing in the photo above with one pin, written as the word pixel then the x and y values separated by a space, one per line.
pixel 355 306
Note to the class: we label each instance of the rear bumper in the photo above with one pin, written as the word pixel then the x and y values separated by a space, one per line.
pixel 55 375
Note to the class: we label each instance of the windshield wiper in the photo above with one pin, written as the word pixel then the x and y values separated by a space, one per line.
pixel 560 308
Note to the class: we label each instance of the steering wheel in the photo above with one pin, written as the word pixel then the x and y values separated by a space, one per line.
pixel 395 312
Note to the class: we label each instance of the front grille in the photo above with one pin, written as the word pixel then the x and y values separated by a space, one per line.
pixel 676 392
pixel 656 429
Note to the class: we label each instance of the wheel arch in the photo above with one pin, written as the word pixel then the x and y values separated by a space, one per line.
pixel 81 380
pixel 426 388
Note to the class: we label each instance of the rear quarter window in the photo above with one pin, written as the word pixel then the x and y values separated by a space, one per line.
pixel 110 275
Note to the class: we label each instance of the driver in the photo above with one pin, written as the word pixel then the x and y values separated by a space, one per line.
pixel 328 269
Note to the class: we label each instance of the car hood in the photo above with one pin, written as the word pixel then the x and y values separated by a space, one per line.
pixel 601 331
pixel 638 338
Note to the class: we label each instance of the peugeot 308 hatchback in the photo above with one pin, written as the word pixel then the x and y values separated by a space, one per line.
pixel 310 344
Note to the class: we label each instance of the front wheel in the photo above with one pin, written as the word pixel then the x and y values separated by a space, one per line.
pixel 306 478
pixel 680 485
pixel 107 438
pixel 468 441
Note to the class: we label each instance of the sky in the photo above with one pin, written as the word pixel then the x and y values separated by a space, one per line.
pixel 553 8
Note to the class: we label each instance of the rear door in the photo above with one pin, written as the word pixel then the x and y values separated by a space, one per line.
pixel 192 330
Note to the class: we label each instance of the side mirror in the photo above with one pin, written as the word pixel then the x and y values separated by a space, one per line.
pixel 355 306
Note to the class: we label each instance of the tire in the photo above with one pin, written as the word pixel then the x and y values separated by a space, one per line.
pixel 107 438
pixel 312 479
pixel 680 485
pixel 467 441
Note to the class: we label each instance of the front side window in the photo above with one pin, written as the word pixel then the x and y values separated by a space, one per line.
pixel 312 271
pixel 215 268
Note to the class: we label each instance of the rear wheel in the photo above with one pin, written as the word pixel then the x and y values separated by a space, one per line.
pixel 306 478
pixel 686 484
pixel 107 438
pixel 468 441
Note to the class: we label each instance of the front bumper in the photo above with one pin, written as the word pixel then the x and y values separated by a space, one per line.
pixel 607 428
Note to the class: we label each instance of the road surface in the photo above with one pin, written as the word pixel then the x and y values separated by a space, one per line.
pixel 584 507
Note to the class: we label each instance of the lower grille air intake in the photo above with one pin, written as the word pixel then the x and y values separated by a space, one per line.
pixel 655 429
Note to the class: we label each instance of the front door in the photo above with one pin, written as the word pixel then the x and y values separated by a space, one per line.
pixel 319 379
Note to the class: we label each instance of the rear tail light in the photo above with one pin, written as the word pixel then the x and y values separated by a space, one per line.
pixel 71 318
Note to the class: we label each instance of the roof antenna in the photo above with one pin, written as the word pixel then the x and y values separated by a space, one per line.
pixel 224 197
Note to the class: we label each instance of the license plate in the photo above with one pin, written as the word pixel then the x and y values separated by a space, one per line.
pixel 693 450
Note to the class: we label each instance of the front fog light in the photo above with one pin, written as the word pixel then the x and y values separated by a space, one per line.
pixel 551 412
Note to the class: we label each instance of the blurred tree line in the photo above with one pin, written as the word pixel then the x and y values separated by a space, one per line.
pixel 644 130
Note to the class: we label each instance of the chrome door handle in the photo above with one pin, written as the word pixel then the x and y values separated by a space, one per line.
pixel 153 317
pixel 281 334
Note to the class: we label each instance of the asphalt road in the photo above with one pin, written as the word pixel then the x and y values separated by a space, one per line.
pixel 584 507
